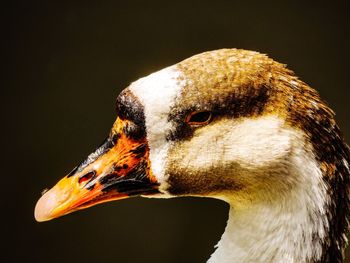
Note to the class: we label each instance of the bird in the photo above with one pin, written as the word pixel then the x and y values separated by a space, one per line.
pixel 234 125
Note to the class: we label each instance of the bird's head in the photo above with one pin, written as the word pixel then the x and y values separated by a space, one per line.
pixel 220 124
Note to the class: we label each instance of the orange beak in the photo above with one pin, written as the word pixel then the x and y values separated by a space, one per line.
pixel 118 169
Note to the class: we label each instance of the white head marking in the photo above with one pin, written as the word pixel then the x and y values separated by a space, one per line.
pixel 157 92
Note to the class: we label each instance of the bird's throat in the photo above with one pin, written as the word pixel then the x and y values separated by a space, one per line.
pixel 290 228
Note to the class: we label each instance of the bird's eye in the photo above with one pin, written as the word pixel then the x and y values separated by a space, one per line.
pixel 199 118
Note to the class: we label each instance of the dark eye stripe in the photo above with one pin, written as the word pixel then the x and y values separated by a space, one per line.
pixel 233 106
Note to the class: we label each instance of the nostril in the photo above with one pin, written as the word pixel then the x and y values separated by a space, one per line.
pixel 118 168
pixel 86 177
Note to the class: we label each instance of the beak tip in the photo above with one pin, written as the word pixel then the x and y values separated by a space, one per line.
pixel 39 214
pixel 44 206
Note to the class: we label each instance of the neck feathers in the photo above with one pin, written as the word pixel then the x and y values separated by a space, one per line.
pixel 298 227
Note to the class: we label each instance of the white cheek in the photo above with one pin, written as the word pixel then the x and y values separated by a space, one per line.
pixel 258 142
pixel 157 92
pixel 251 143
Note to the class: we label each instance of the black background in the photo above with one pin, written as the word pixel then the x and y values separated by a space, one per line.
pixel 66 62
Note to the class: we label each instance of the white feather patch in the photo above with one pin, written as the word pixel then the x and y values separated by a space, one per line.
pixel 158 92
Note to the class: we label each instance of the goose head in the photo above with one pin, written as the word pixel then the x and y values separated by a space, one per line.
pixel 228 124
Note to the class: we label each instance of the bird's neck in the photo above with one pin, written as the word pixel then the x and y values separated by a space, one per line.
pixel 292 228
